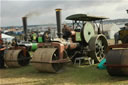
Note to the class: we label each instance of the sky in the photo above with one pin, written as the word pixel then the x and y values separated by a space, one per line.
pixel 43 11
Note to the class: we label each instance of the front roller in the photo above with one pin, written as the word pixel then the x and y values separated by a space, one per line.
pixel 43 57
pixel 17 58
pixel 98 47
pixel 117 62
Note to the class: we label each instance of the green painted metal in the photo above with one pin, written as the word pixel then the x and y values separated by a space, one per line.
pixel 88 31
pixel 85 17
pixel 77 17
pixel 34 36
pixel 78 37
pixel 34 46
pixel 101 64
pixel 40 40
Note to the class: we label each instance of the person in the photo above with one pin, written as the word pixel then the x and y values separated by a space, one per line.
pixel 66 32
pixel 47 35
pixel 116 37
pixel 117 34
pixel 34 36
pixel 126 26
pixel 2 65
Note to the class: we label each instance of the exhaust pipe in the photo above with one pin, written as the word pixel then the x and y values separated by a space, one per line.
pixel 58 20
pixel 24 19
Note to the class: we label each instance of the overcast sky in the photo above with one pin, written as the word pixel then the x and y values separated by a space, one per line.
pixel 11 11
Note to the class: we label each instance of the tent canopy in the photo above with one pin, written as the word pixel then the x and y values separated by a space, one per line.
pixel 6 36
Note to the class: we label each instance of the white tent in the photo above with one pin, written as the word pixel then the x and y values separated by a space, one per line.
pixel 7 38
pixel 110 30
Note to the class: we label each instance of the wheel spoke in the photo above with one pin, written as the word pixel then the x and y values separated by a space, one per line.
pixel 100 47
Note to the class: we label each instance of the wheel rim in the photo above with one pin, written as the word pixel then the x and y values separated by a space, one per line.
pixel 98 46
pixel 99 49
pixel 56 66
pixel 24 60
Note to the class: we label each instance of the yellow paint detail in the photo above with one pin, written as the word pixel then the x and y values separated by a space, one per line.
pixel 58 9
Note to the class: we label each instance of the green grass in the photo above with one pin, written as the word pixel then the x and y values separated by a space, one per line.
pixel 71 75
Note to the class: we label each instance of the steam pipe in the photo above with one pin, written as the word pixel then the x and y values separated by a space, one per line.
pixel 58 20
pixel 24 19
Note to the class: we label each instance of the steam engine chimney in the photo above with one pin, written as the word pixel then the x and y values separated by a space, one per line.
pixel 58 20
pixel 24 19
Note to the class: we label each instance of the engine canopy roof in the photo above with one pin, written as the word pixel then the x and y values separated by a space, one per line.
pixel 84 17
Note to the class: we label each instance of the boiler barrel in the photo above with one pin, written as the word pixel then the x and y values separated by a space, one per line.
pixel 117 62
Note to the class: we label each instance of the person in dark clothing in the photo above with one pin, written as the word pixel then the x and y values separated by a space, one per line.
pixel 66 32
pixel 46 36
pixel 2 65
pixel 116 37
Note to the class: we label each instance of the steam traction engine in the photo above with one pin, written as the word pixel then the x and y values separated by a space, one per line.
pixel 79 41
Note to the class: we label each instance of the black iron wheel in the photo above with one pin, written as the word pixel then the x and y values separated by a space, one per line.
pixel 24 60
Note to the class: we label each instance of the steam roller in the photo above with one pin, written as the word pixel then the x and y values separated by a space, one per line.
pixel 17 58
pixel 72 43
pixel 116 60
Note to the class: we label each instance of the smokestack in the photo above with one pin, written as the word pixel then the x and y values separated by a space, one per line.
pixel 127 10
pixel 58 20
pixel 25 27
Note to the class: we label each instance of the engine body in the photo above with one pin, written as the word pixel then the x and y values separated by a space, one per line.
pixel 78 41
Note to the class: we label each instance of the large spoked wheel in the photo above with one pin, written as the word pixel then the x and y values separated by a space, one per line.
pixel 98 46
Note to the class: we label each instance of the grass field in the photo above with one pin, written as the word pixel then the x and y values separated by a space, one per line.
pixel 71 75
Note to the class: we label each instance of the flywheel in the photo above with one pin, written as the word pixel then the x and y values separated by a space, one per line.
pixel 87 32
pixel 98 47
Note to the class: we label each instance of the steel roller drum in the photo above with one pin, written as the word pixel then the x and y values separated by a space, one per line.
pixel 88 31
pixel 42 58
pixel 117 62
pixel 98 47
pixel 15 58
